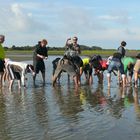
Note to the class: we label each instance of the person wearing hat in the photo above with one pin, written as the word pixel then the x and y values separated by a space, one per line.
pixel 40 53
pixel 137 70
pixel 2 56
pixel 121 49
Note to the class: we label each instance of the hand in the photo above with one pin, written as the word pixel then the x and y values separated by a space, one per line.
pixel 33 73
pixel 43 57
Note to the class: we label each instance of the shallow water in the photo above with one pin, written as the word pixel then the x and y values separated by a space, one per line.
pixel 66 113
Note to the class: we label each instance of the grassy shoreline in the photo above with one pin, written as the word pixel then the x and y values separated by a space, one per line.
pixel 21 55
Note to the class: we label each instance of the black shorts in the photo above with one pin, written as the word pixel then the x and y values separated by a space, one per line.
pixel 40 66
pixel 87 70
pixel 2 66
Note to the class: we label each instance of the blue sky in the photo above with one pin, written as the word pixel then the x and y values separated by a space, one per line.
pixel 103 23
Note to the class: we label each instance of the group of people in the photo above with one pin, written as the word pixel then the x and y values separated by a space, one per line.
pixel 72 63
pixel 121 65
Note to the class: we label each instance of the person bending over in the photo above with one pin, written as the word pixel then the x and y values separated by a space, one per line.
pixel 137 70
pixel 115 64
pixel 17 71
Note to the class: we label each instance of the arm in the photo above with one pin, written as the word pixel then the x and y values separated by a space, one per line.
pixel 78 49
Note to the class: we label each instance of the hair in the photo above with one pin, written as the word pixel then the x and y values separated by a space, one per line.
pixel 138 56
pixel 130 66
pixel 117 55
pixel 30 68
pixel 44 41
pixel 123 43
pixel 130 69
pixel 2 36
pixel 75 38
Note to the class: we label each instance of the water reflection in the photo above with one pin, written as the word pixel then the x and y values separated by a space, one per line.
pixel 4 129
pixel 136 103
pixel 40 105
pixel 68 101
pixel 64 112
pixel 117 103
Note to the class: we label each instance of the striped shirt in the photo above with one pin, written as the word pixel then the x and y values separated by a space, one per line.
pixel 23 67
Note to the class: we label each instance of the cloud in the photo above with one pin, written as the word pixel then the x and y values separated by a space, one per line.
pixel 18 20
pixel 118 16
pixel 120 19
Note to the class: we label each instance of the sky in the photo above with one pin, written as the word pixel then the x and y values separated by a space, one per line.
pixel 103 23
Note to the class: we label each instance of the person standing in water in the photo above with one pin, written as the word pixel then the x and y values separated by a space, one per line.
pixel 2 56
pixel 40 53
pixel 121 49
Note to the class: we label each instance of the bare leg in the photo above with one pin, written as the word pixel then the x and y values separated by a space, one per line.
pixel 75 78
pixel 11 84
pixel 19 84
pixel 136 78
pixel 119 78
pixel 1 79
pixel 43 77
pixel 90 80
pixel 124 80
pixel 55 76
pixel 109 79
pixel 100 77
pixel 57 73
pixel 4 77
pixel 34 77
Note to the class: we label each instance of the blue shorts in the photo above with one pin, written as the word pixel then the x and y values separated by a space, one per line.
pixel 115 65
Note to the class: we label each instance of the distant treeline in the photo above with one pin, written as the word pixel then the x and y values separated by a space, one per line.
pixel 83 47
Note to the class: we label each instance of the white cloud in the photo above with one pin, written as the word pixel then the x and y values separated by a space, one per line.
pixel 109 17
pixel 120 16
pixel 17 19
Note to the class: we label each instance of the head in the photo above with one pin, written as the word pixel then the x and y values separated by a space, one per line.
pixel 96 60
pixel 74 40
pixel 117 55
pixel 2 38
pixel 30 69
pixel 123 43
pixel 138 56
pixel 109 59
pixel 43 42
pixel 39 42
pixel 7 60
pixel 130 68
pixel 69 41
